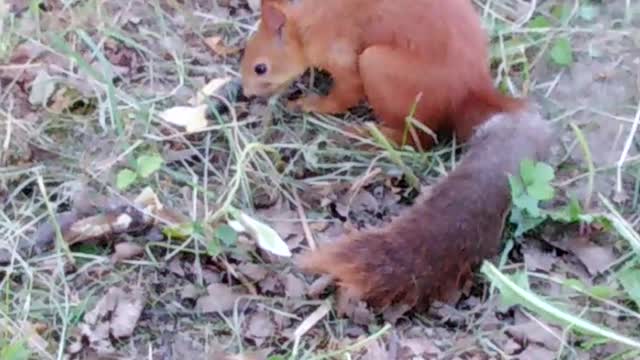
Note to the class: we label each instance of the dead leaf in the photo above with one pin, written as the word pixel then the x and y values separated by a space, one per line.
pixel 260 328
pixel 125 251
pixel 209 89
pixel 253 271
pixel 31 332
pixel 42 88
pixel 420 347
pixel 595 258
pixel 352 307
pixel 536 259
pixel 375 351
pixel 254 355
pixel 216 44
pixel 320 285
pixel 189 292
pixel 272 285
pixel 115 315
pixel 536 352
pixel 294 288
pixel 254 5
pixel 311 320
pixel 534 332
pixel 192 119
pixel 176 267
pixel 220 298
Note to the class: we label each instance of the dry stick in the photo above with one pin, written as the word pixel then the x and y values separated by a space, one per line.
pixel 627 147
pixel 303 218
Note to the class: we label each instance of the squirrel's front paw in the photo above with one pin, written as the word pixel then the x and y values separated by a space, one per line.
pixel 309 103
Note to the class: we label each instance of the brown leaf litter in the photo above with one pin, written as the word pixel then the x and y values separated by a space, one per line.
pixel 115 316
pixel 219 298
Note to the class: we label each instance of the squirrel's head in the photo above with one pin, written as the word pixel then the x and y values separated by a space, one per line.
pixel 273 57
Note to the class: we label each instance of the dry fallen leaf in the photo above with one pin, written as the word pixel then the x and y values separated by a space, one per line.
pixel 209 89
pixel 114 316
pixel 352 307
pixel 260 328
pixel 42 88
pixel 375 350
pixel 536 352
pixel 254 5
pixel 216 44
pixel 536 259
pixel 192 119
pixel 220 298
pixel 595 258
pixel 534 332
pixel 419 347
pixel 125 251
pixel 294 287
pixel 253 271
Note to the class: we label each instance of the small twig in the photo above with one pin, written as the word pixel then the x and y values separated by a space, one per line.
pixel 303 219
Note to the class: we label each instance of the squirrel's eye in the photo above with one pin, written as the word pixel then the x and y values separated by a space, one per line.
pixel 260 69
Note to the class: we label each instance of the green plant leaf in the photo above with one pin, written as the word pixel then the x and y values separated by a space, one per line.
pixel 213 247
pixel 125 178
pixel 517 188
pixel 539 22
pixel 570 213
pixel 561 12
pixel 15 351
pixel 226 234
pixel 528 171
pixel 523 223
pixel 544 172
pixel 589 12
pixel 630 280
pixel 527 203
pixel 561 52
pixel 602 292
pixel 179 232
pixel 148 164
pixel 541 191
pixel 507 297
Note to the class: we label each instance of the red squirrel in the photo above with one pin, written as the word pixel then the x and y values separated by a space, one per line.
pixel 389 52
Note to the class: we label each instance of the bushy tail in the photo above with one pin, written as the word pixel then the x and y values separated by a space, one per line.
pixel 427 252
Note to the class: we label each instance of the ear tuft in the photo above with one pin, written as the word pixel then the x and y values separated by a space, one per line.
pixel 273 17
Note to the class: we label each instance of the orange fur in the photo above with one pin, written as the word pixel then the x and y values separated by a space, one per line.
pixel 389 52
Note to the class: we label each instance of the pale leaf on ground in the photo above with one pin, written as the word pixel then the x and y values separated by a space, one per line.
pixel 192 119
pixel 594 257
pixel 216 44
pixel 41 89
pixel 254 5
pixel 266 237
pixel 260 328
pixel 294 288
pixel 125 251
pixel 220 298
pixel 114 316
pixel 209 89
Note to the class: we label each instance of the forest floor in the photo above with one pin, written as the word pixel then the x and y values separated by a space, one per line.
pixel 114 239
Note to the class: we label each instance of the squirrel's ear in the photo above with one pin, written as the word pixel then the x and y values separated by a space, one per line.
pixel 273 16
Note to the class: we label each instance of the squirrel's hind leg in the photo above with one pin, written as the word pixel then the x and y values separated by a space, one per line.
pixel 395 81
